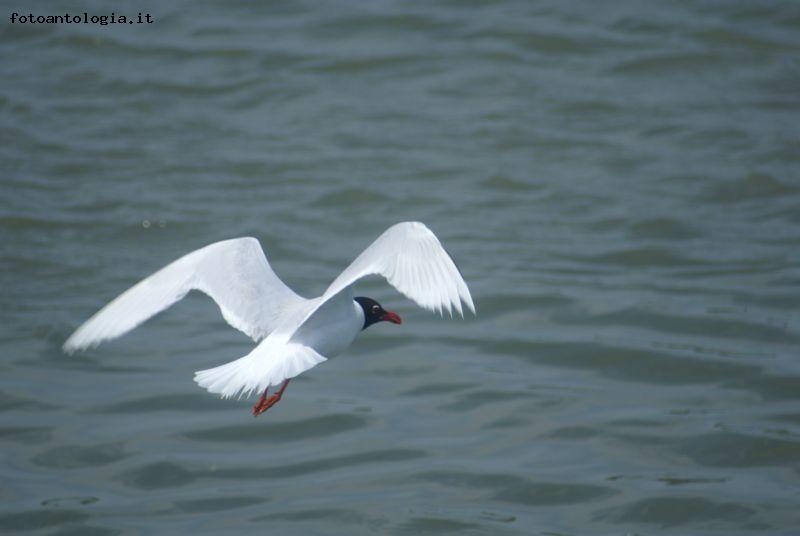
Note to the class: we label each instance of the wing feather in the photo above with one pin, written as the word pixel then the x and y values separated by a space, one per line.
pixel 414 262
pixel 234 273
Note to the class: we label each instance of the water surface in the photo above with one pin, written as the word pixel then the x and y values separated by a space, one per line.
pixel 619 186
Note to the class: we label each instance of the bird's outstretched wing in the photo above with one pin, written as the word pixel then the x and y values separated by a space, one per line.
pixel 234 273
pixel 413 261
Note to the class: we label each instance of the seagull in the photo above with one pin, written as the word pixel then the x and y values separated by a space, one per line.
pixel 294 333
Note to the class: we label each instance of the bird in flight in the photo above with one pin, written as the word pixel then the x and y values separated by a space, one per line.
pixel 295 333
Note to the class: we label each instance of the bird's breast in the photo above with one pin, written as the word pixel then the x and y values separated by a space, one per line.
pixel 332 329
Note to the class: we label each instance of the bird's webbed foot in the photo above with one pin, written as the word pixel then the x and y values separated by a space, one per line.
pixel 267 401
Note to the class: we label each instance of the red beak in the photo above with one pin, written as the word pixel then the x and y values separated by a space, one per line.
pixel 391 317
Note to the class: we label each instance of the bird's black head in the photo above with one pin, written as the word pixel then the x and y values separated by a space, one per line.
pixel 373 312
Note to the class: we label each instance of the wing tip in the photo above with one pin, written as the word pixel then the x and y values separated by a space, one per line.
pixel 471 306
pixel 80 341
pixel 73 344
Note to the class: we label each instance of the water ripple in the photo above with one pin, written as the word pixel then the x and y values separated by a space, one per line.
pixel 76 456
pixel 677 511
pixel 514 489
pixel 298 430
pixel 618 187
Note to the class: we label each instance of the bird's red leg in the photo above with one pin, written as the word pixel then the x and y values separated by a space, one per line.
pixel 266 402
pixel 261 402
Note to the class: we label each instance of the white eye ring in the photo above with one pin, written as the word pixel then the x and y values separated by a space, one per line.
pixel 375 308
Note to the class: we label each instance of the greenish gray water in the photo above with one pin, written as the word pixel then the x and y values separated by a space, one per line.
pixel 618 183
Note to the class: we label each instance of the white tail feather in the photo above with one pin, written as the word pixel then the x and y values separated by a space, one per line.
pixel 268 364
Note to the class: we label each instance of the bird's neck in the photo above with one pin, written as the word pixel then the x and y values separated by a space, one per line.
pixel 360 314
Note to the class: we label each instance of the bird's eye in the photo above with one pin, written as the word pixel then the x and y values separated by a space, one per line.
pixel 376 308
